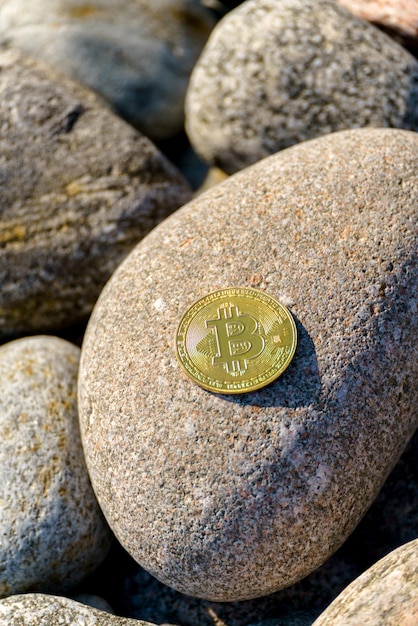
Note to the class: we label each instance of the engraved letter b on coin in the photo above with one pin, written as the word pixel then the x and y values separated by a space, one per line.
pixel 235 340
pixel 238 339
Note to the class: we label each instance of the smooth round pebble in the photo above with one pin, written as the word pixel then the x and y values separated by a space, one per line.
pixel 277 73
pixel 79 188
pixel 138 55
pixel 37 609
pixel 385 595
pixel 233 497
pixel 51 528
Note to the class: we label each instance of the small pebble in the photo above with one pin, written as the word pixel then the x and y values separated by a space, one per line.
pixel 275 73
pixel 385 595
pixel 36 609
pixel 52 530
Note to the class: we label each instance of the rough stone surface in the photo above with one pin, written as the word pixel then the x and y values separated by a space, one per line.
pixel 391 521
pixel 36 609
pixel 79 188
pixel 276 73
pixel 385 595
pixel 393 518
pixel 51 528
pixel 138 55
pixel 234 497
pixel 398 17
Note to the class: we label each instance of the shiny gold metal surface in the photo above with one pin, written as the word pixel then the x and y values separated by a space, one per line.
pixel 235 340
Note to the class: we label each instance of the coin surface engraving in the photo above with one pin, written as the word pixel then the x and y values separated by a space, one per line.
pixel 235 340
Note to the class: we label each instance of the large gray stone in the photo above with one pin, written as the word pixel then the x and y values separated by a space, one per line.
pixel 79 188
pixel 385 595
pixel 275 73
pixel 36 609
pixel 235 497
pixel 52 533
pixel 138 55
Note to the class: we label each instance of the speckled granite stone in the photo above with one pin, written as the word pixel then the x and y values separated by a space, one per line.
pixel 235 497
pixel 51 528
pixel 36 609
pixel 276 73
pixel 385 595
pixel 138 55
pixel 79 188
pixel 391 521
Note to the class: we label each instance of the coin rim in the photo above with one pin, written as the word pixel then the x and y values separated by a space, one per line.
pixel 235 391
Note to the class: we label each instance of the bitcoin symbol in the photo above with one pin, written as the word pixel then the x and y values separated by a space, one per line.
pixel 235 340
pixel 238 339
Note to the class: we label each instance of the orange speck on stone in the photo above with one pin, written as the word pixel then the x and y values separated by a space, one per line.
pixel 84 11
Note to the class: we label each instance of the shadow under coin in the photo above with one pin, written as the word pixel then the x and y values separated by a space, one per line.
pixel 298 386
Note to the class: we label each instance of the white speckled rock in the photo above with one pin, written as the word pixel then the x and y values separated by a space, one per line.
pixel 385 595
pixel 36 609
pixel 52 533
pixel 138 55
pixel 79 188
pixel 235 497
pixel 275 73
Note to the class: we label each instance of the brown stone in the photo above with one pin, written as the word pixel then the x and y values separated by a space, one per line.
pixel 79 188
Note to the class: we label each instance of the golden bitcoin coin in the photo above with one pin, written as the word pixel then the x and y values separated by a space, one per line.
pixel 235 340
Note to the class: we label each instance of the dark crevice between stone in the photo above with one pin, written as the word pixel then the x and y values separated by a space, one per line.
pixel 69 120
pixel 178 150
pixel 410 120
